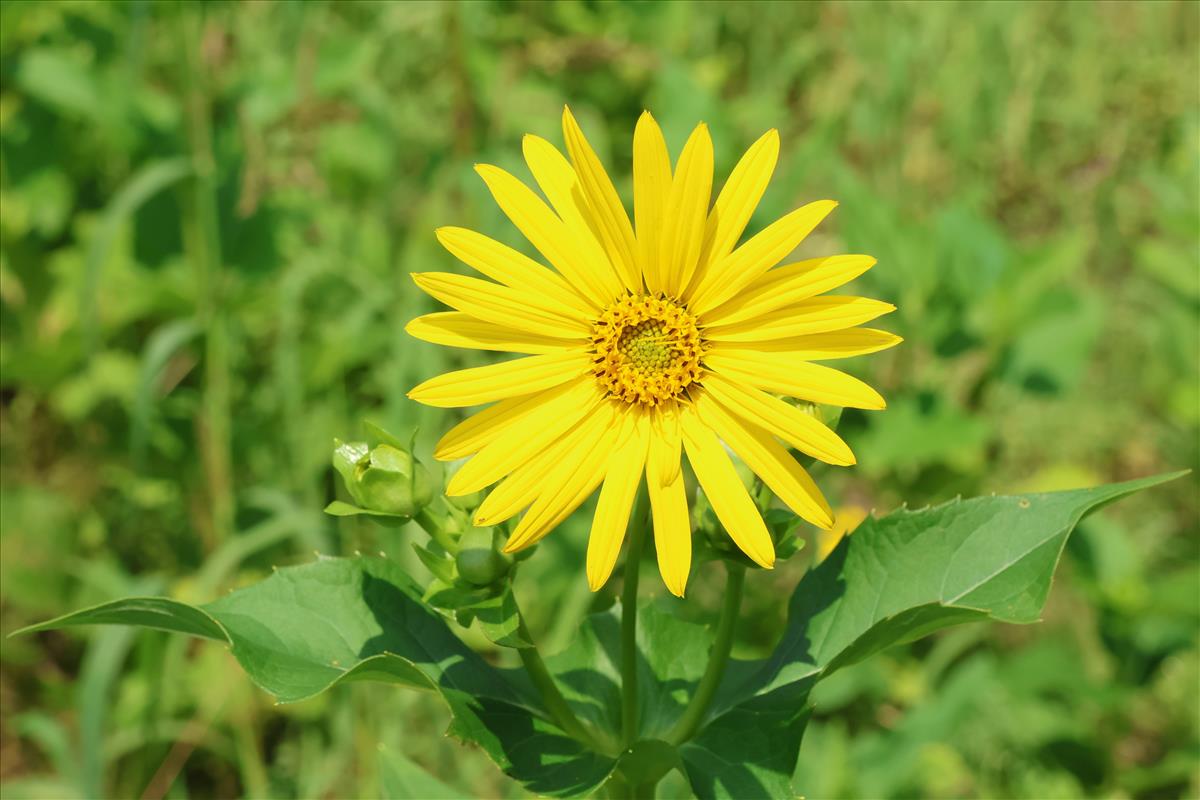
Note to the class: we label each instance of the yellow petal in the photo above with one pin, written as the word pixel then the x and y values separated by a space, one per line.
pixel 556 415
pixel 846 520
pixel 557 179
pixel 666 428
pixel 729 498
pixel 551 236
pixel 744 265
pixel 687 210
pixel 776 372
pixel 669 507
pixel 501 263
pixel 651 189
pixel 513 494
pixel 815 315
pixel 822 346
pixel 478 385
pixel 800 430
pixel 737 201
pixel 624 473
pixel 493 302
pixel 576 477
pixel 787 285
pixel 474 432
pixel 456 329
pixel 768 459
pixel 611 221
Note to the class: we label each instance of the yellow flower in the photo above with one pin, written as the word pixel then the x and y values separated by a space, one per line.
pixel 648 340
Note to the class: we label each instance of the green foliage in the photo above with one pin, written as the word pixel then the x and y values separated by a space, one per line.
pixel 899 578
pixel 1025 173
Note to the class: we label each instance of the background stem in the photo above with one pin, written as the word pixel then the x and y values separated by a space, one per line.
pixel 203 238
pixel 629 593
pixel 693 715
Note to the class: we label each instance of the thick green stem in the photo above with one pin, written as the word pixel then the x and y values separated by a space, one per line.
pixel 434 523
pixel 553 699
pixel 693 715
pixel 618 788
pixel 629 594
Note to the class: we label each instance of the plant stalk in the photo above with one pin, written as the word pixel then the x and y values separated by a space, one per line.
pixel 629 594
pixel 618 788
pixel 205 246
pixel 433 524
pixel 553 699
pixel 693 715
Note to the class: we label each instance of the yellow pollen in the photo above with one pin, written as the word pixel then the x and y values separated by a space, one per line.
pixel 647 350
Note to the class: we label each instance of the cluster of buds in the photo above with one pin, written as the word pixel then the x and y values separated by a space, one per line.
pixel 391 486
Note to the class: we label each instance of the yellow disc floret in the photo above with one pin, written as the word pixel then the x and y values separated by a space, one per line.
pixel 647 350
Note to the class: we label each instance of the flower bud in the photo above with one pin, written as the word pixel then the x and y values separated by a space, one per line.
pixel 385 478
pixel 831 416
pixel 479 559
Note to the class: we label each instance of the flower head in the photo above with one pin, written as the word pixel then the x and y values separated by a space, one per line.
pixel 647 340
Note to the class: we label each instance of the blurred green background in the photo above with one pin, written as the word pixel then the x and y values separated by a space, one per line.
pixel 208 217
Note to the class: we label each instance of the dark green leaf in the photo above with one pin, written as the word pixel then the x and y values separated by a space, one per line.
pixel 499 620
pixel 307 628
pixel 750 751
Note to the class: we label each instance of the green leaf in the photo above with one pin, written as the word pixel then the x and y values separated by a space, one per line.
pixel 494 606
pixel 158 613
pixel 148 181
pixel 311 627
pixel 499 620
pixel 672 656
pixel 894 580
pixel 386 437
pixel 57 79
pixel 340 508
pixel 908 574
pixel 440 566
pixel 748 750
pixel 751 749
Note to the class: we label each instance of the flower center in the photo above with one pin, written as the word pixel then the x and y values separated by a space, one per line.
pixel 647 350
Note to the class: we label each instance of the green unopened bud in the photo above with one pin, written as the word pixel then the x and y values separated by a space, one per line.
pixel 385 478
pixel 829 415
pixel 466 502
pixel 479 559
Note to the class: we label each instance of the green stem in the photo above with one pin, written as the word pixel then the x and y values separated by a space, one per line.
pixel 629 594
pixel 205 246
pixel 693 715
pixel 618 788
pixel 553 699
pixel 434 525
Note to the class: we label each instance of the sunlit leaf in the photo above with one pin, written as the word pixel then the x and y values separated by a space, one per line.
pixel 308 628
